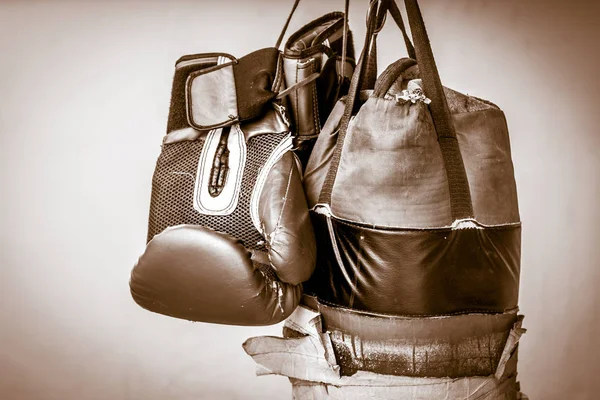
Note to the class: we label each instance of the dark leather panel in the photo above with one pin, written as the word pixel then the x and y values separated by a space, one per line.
pixel 457 346
pixel 418 272
pixel 373 326
pixel 303 101
pixel 254 77
pixel 315 48
pixel 178 107
pixel 271 122
pixel 284 217
pixel 198 274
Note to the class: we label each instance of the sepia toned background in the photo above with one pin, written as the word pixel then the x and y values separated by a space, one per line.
pixel 84 96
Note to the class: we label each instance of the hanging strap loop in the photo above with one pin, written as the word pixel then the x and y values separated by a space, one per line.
pixel 344 35
pixel 383 6
pixel 460 196
pixel 287 23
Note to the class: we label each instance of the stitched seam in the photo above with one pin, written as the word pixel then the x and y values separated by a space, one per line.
pixel 200 170
pixel 354 224
pixel 227 210
pixel 278 75
pixel 315 101
pixel 296 111
pixel 372 314
pixel 188 96
pixel 273 234
pixel 203 56
pixel 285 196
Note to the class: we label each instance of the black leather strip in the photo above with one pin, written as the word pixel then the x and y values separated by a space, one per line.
pixel 287 23
pixel 460 196
pixel 390 75
pixel 417 272
pixel 397 16
pixel 361 66
pixel 371 74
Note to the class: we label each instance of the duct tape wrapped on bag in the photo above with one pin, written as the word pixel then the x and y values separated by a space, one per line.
pixel 331 352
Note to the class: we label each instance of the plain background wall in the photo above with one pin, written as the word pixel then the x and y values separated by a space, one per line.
pixel 84 95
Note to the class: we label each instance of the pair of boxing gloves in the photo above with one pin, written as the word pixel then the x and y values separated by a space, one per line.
pixel 230 237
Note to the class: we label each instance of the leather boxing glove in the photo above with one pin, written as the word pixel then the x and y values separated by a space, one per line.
pixel 316 49
pixel 230 237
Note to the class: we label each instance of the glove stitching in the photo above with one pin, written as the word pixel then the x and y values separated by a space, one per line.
pixel 277 79
pixel 285 196
pixel 296 111
pixel 315 103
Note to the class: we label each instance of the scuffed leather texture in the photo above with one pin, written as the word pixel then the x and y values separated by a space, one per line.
pixel 206 95
pixel 391 172
pixel 316 48
pixel 211 97
pixel 373 326
pixel 452 346
pixel 178 116
pixel 390 209
pixel 417 272
pixel 195 273
pixel 285 219
pixel 255 75
pixel 270 122
pixel 303 101
pixel 242 265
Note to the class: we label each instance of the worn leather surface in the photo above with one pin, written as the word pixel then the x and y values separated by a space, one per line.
pixel 484 143
pixel 454 347
pixel 368 350
pixel 211 97
pixel 315 48
pixel 186 65
pixel 242 265
pixel 417 272
pixel 270 122
pixel 206 95
pixel 255 75
pixel 370 325
pixel 195 272
pixel 391 171
pixel 286 222
pixel 303 101
pixel 391 214
pixel 198 274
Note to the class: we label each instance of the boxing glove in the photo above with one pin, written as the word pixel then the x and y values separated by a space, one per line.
pixel 316 50
pixel 230 237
